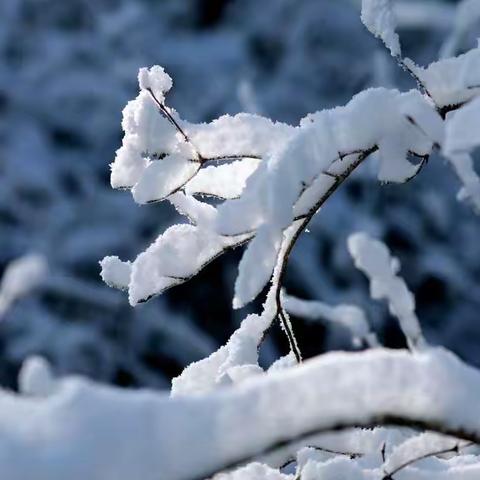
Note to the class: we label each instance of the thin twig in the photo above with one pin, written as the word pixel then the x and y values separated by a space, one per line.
pixel 454 449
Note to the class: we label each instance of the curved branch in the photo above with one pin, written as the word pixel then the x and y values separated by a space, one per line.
pixel 305 220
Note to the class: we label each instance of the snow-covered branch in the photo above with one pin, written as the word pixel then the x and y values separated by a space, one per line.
pixel 150 436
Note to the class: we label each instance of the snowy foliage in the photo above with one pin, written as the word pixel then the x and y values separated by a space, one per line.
pixel 363 415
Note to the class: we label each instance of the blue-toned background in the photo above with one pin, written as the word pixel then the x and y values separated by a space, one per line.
pixel 67 68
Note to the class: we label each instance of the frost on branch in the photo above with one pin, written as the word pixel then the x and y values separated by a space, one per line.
pixel 373 258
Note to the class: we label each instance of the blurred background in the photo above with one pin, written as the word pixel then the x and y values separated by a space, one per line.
pixel 67 68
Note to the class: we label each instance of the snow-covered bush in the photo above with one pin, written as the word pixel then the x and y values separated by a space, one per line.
pixel 246 180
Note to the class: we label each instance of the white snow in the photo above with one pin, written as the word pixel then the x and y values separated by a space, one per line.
pixel 223 181
pixel 350 317
pixel 373 258
pixel 461 131
pixel 451 81
pixel 20 277
pixel 36 377
pixel 272 173
pixel 464 168
pixel 241 350
pixel 256 267
pixel 163 177
pixel 462 137
pixel 156 79
pixel 73 430
pixel 116 273
pixel 379 18
pixel 418 446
